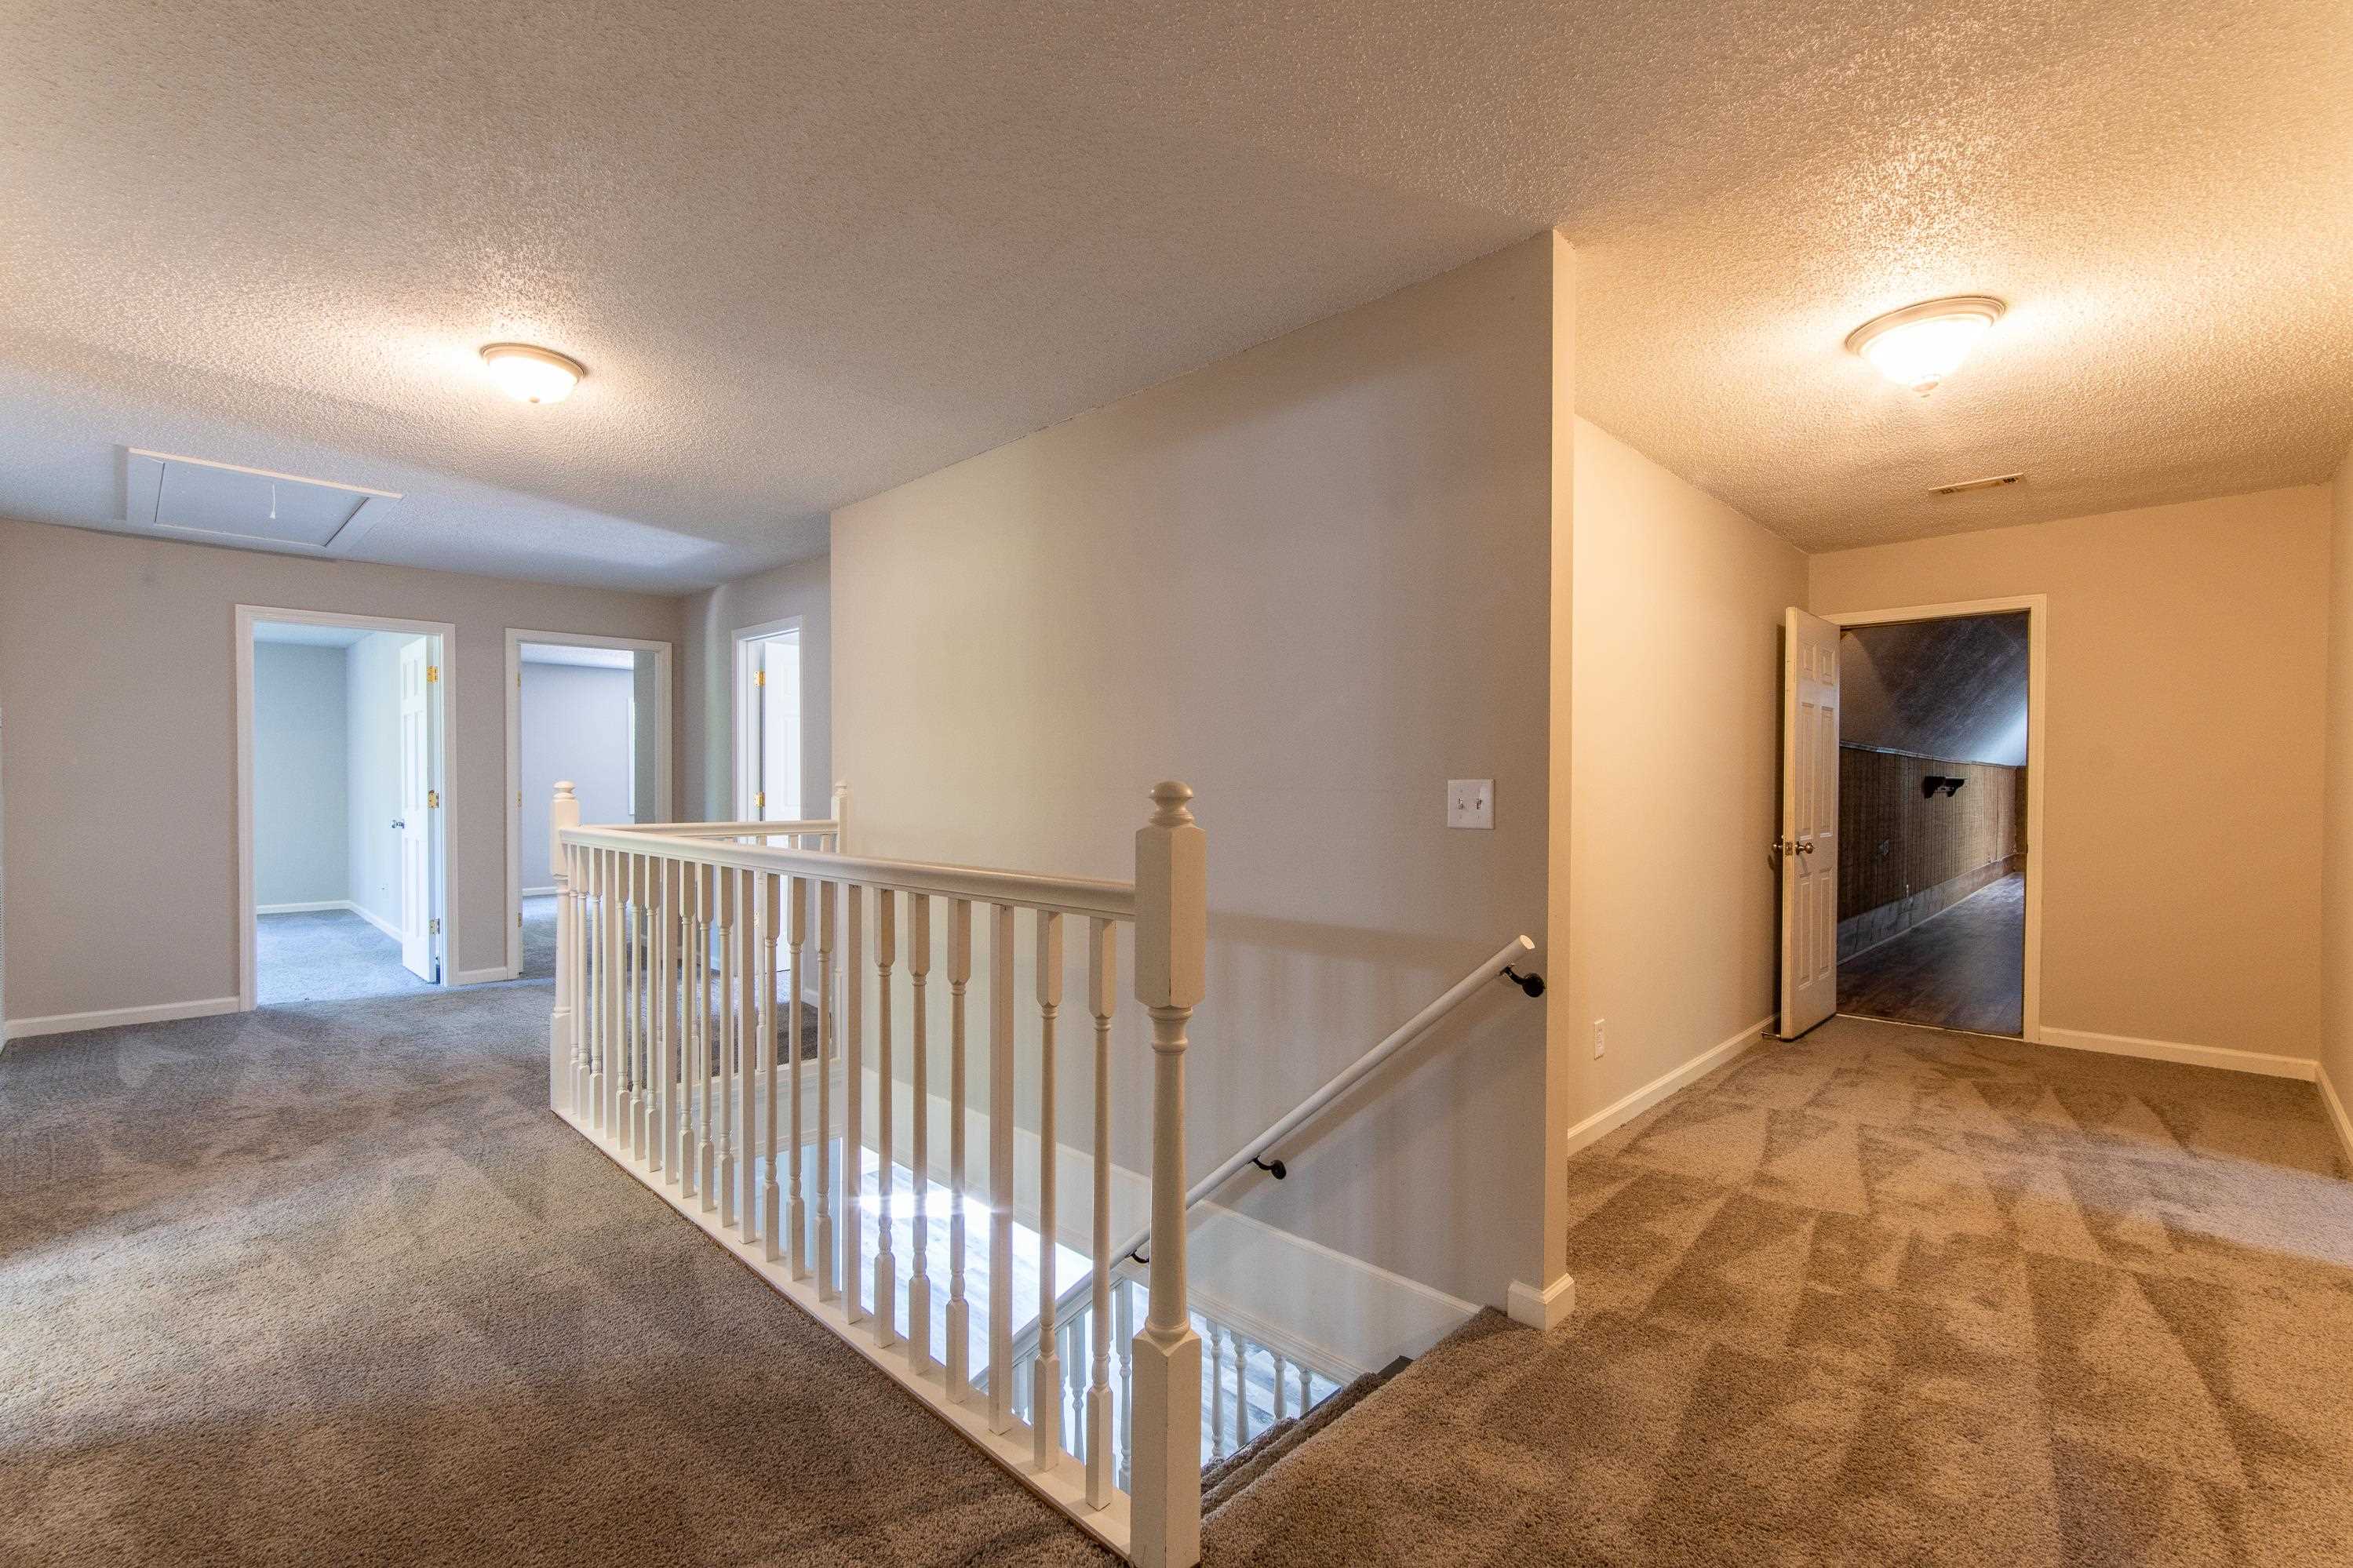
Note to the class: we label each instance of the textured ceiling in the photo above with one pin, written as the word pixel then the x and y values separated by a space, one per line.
pixel 810 252
pixel 1954 689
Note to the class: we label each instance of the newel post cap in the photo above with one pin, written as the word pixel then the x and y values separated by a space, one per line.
pixel 1172 902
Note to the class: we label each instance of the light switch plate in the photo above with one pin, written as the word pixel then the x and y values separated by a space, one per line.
pixel 1470 802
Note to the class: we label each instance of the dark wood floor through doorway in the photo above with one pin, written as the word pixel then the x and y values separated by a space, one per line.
pixel 1962 969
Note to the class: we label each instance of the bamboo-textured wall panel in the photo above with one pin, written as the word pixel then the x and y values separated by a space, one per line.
pixel 1904 856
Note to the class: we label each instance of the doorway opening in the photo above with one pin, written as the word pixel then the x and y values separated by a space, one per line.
pixel 768 722
pixel 1911 818
pixel 593 711
pixel 342 839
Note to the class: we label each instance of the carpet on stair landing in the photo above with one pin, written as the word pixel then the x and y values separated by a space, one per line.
pixel 1888 1295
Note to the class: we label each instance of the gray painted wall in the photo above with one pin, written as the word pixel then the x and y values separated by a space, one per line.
pixel 575 725
pixel 117 673
pixel 299 758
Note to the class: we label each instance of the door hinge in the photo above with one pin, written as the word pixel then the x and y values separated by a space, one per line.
pixel 432 798
pixel 432 673
pixel 760 801
pixel 518 801
pixel 518 919
pixel 759 677
pixel 437 925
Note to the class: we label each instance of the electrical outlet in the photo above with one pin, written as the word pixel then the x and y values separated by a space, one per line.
pixel 1470 802
pixel 1601 1038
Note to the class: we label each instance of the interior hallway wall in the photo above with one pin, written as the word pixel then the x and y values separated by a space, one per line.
pixel 372 672
pixel 1905 855
pixel 2337 925
pixel 575 726
pixel 1311 580
pixel 1675 794
pixel 116 671
pixel 300 786
pixel 2182 796
pixel 802 588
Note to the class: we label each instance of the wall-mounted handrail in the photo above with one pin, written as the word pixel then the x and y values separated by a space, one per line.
pixel 1404 1035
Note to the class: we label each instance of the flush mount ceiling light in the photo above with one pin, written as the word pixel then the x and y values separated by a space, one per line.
pixel 1921 344
pixel 529 374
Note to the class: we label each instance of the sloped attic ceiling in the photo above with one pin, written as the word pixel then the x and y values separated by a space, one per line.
pixel 1952 690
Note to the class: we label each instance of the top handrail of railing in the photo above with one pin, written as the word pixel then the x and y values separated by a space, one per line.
pixel 810 826
pixel 1083 896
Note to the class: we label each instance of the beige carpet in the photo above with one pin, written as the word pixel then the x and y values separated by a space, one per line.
pixel 329 1285
pixel 1890 1296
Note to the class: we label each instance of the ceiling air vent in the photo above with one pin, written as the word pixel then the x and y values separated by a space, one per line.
pixel 1963 487
pixel 198 498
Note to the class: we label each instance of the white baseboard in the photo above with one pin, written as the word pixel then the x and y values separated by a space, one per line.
pixel 1546 1309
pixel 312 908
pixel 2262 1062
pixel 375 919
pixel 114 1018
pixel 2338 1118
pixel 481 976
pixel 1608 1119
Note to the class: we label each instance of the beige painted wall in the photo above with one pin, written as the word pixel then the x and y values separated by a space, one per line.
pixel 2182 844
pixel 708 737
pixel 2337 921
pixel 1311 580
pixel 1676 714
pixel 116 670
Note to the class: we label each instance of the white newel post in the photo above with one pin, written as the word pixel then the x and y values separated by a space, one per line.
pixel 562 1049
pixel 840 817
pixel 1171 942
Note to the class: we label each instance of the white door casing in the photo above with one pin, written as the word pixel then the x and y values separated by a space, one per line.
pixel 1809 845
pixel 416 801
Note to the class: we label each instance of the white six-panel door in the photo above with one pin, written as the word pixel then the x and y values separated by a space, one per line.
pixel 1809 813
pixel 416 804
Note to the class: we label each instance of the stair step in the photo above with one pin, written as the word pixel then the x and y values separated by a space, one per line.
pixel 1228 1475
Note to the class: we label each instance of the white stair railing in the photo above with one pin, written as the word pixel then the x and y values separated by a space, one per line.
pixel 663 1042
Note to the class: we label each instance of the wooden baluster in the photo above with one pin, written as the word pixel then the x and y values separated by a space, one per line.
pixel 1218 1448
pixel 1241 1388
pixel 706 1150
pixel 619 1072
pixel 853 1099
pixel 594 945
pixel 570 922
pixel 1047 1445
pixel 748 988
pixel 825 1258
pixel 959 1345
pixel 730 893
pixel 886 1262
pixel 1000 1168
pixel 769 913
pixel 919 1163
pixel 795 1206
pixel 643 1012
pixel 1278 1385
pixel 562 1042
pixel 633 985
pixel 1171 941
pixel 657 939
pixel 1125 1338
pixel 678 893
pixel 1102 993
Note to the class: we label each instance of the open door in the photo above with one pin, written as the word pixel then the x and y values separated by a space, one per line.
pixel 1810 815
pixel 417 801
